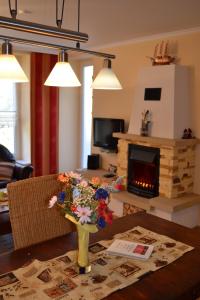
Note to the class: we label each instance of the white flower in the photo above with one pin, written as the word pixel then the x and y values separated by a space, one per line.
pixel 74 175
pixel 52 201
pixel 84 214
pixel 76 193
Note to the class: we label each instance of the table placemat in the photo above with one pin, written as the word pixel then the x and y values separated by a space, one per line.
pixel 58 278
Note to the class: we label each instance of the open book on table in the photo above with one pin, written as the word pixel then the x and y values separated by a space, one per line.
pixel 130 249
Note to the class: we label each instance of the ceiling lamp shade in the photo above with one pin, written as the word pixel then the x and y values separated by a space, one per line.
pixel 10 69
pixel 62 74
pixel 106 78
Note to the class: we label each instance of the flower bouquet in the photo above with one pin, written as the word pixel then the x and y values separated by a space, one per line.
pixel 85 203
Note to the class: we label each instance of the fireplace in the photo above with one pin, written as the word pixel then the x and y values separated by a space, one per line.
pixel 143 170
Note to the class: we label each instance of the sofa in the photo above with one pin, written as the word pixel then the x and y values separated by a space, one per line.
pixel 12 170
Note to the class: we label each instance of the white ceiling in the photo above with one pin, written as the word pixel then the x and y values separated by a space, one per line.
pixel 111 21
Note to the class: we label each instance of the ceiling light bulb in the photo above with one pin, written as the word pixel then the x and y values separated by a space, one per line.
pixel 62 74
pixel 106 78
pixel 10 69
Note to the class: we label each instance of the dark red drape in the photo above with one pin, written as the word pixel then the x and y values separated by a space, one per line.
pixel 44 116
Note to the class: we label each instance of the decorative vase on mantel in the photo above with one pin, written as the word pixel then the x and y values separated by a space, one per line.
pixel 83 232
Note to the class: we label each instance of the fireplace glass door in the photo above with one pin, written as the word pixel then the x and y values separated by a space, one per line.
pixel 143 170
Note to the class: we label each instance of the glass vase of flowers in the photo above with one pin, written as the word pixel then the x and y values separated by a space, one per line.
pixel 85 203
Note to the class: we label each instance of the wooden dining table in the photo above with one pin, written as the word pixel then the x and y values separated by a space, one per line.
pixel 178 280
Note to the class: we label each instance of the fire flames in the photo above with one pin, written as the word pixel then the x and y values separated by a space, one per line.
pixel 143 184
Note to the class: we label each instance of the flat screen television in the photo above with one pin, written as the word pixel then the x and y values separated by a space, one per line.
pixel 103 129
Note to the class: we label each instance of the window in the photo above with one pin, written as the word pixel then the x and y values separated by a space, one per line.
pixel 8 115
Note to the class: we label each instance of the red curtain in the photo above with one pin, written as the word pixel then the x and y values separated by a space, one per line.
pixel 44 116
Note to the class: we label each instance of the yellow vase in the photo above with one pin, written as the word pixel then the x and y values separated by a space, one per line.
pixel 83 232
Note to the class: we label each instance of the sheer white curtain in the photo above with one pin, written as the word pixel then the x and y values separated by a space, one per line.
pixel 86 114
pixel 8 115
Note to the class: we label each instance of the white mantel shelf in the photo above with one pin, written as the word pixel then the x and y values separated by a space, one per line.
pixel 155 140
pixel 174 204
pixel 164 204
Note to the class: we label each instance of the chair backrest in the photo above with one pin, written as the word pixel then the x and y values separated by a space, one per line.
pixel 31 219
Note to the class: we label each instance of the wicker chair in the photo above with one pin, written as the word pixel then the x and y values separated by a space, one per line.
pixel 31 220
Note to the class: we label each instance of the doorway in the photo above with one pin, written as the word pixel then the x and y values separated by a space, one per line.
pixel 87 100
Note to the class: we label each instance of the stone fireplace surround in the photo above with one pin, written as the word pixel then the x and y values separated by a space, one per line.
pixel 177 163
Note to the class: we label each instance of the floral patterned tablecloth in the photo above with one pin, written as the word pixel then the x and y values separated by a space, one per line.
pixel 58 278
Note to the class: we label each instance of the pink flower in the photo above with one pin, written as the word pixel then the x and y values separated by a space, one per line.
pixel 83 183
pixel 84 214
pixel 52 201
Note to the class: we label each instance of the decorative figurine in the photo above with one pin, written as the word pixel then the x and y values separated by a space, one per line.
pixel 119 184
pixel 161 56
pixel 190 135
pixel 112 169
pixel 145 123
pixel 187 134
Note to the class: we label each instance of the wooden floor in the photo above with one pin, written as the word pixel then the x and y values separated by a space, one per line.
pixel 6 240
pixel 6 243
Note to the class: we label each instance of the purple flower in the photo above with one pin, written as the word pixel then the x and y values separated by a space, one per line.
pixel 101 222
pixel 101 194
pixel 61 197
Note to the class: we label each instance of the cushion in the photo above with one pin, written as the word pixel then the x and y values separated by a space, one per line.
pixel 5 154
pixel 6 170
pixel 3 183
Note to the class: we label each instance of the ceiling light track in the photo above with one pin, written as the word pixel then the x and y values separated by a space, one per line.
pixel 78 16
pixel 59 20
pixel 41 29
pixel 55 46
pixel 13 11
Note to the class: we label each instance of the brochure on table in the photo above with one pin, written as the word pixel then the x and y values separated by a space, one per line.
pixel 130 249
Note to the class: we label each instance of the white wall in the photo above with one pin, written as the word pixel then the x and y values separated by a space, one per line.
pixel 170 115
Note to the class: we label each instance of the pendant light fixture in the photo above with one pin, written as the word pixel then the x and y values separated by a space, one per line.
pixel 35 28
pixel 62 74
pixel 10 69
pixel 106 78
